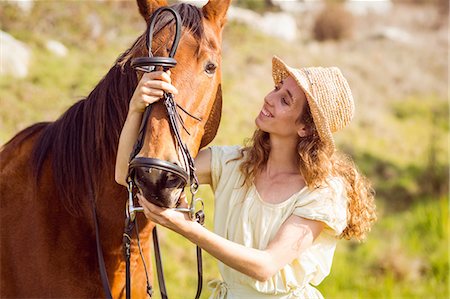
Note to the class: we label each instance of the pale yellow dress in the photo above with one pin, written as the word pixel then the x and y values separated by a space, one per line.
pixel 243 217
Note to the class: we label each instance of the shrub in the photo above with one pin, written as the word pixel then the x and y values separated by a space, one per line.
pixel 333 22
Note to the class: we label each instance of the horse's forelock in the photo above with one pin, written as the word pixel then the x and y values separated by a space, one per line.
pixel 191 19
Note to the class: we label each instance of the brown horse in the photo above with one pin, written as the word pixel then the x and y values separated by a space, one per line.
pixel 48 245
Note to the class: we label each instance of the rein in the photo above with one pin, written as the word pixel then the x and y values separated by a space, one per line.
pixel 185 174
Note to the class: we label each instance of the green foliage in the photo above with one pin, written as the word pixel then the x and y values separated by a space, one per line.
pixel 404 257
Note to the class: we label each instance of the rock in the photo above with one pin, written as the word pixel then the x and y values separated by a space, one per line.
pixel 365 7
pixel 281 25
pixel 56 48
pixel 96 25
pixel 394 34
pixel 243 15
pixel 24 5
pixel 15 56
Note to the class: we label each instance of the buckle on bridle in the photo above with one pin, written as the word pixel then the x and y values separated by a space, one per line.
pixel 130 209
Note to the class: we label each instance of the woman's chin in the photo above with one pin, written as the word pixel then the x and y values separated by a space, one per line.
pixel 260 124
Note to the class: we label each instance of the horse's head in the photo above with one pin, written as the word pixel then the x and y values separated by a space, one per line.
pixel 197 76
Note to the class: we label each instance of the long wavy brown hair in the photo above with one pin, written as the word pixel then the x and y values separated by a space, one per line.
pixel 316 166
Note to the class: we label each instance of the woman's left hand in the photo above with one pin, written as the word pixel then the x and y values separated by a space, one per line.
pixel 174 220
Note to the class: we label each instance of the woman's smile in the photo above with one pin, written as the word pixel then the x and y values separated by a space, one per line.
pixel 266 113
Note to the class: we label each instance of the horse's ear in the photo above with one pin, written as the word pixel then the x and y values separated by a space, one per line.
pixel 212 124
pixel 147 7
pixel 216 10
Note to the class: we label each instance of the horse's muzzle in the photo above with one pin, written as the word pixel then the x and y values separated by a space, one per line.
pixel 159 181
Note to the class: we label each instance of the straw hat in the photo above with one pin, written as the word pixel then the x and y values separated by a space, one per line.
pixel 328 94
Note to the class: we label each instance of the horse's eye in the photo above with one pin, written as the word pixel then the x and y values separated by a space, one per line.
pixel 210 68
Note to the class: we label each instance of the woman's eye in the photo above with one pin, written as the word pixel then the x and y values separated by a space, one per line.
pixel 283 100
pixel 210 68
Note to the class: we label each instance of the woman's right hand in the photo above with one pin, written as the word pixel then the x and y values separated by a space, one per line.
pixel 150 89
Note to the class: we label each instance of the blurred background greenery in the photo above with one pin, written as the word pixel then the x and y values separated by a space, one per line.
pixel 399 137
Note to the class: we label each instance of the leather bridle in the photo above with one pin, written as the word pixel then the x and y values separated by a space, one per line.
pixel 186 174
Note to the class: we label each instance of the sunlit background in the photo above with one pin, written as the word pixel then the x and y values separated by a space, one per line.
pixel 395 56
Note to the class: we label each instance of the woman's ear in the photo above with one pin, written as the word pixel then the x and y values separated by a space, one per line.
pixel 303 130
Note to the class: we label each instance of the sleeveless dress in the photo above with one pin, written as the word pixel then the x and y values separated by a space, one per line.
pixel 243 217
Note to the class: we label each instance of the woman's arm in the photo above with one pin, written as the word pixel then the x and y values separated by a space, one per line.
pixel 150 89
pixel 128 137
pixel 203 166
pixel 294 236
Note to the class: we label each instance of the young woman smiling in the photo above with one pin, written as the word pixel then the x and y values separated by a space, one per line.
pixel 281 202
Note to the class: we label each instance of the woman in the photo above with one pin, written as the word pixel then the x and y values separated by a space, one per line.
pixel 281 202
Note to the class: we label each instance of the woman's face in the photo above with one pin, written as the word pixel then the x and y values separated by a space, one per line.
pixel 281 110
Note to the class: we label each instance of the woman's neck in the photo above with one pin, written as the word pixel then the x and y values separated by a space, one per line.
pixel 283 157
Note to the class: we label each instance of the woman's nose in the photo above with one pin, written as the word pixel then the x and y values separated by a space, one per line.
pixel 269 99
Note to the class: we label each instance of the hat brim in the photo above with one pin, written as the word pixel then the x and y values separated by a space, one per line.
pixel 280 71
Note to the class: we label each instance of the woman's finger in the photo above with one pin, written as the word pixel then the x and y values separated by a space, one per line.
pixel 150 210
pixel 183 201
pixel 165 76
pixel 174 220
pixel 159 84
pixel 152 92
pixel 157 75
pixel 149 99
pixel 146 204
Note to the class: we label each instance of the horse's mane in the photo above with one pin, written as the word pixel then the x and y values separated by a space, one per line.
pixel 82 143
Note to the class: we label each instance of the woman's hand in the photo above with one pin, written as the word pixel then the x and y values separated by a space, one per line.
pixel 174 220
pixel 150 89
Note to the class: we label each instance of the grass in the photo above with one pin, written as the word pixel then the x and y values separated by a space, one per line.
pixel 399 137
pixel 404 257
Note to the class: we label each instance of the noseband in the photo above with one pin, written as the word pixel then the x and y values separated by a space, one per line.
pixel 185 175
